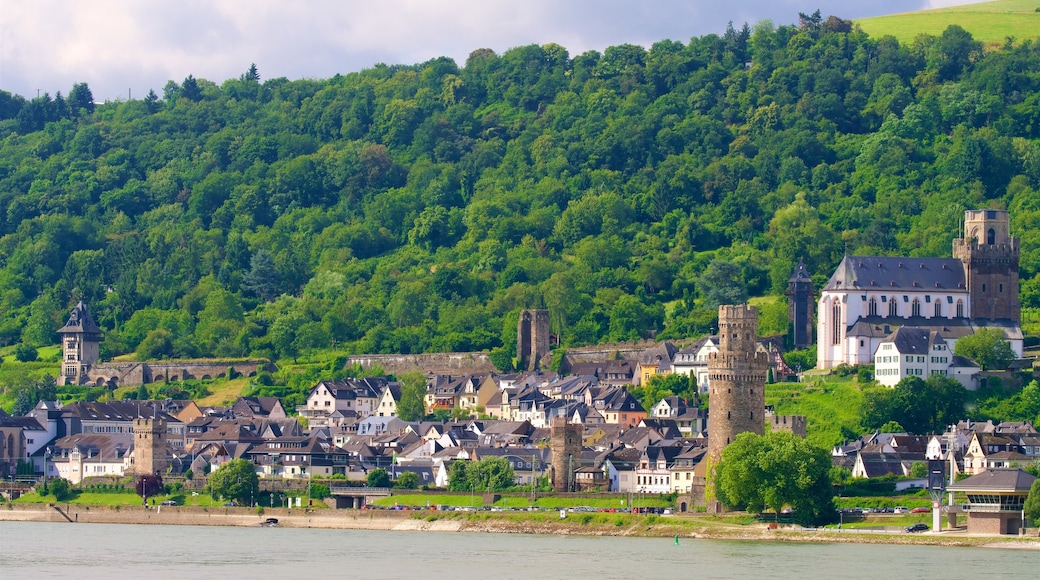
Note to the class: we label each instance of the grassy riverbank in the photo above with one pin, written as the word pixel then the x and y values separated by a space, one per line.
pixel 679 528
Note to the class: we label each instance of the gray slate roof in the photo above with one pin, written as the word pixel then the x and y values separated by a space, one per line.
pixel 80 321
pixel 995 480
pixel 897 273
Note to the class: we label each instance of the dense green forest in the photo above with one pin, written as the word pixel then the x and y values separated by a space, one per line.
pixel 418 208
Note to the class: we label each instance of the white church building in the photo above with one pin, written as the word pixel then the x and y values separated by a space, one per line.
pixel 869 297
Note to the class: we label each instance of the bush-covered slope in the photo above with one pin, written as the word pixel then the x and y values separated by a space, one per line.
pixel 417 208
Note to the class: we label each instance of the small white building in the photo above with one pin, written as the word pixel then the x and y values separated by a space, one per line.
pixel 920 352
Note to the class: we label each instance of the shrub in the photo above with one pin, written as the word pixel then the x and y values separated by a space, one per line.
pixel 61 489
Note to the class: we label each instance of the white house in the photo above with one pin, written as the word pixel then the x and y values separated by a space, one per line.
pixel 920 352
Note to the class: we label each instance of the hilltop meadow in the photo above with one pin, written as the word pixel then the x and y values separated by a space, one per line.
pixel 992 23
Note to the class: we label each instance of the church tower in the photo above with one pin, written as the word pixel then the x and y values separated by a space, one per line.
pixel 990 258
pixel 80 338
pixel 149 446
pixel 737 373
pixel 801 302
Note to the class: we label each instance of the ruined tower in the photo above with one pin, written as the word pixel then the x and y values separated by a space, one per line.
pixel 80 338
pixel 149 446
pixel 737 375
pixel 565 444
pixel 532 338
pixel 990 257
pixel 801 304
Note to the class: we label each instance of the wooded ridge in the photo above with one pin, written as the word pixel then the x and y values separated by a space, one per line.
pixel 406 209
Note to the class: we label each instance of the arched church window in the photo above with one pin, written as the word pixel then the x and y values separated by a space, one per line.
pixel 893 308
pixel 938 309
pixel 915 308
pixel 836 324
pixel 991 237
pixel 872 306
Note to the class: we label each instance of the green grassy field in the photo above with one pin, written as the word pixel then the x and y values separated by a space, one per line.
pixel 465 500
pixel 989 22
pixel 828 403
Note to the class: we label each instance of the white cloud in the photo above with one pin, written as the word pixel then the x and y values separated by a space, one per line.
pixel 121 45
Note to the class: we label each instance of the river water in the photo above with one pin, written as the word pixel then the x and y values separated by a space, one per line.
pixel 48 550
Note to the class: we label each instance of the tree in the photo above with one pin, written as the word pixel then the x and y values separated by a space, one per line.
pixel 457 477
pixel 318 491
pixel 413 390
pixel 407 480
pixel 987 347
pixel 378 477
pixel 190 89
pixel 148 485
pixel 723 284
pixel 1032 505
pixel 80 97
pixel 491 474
pixel 776 471
pixel 262 279
pixel 158 344
pixel 234 480
pixel 25 352
pixel 61 489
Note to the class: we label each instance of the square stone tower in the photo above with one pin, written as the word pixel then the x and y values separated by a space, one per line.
pixel 532 338
pixel 149 446
pixel 990 257
pixel 80 340
pixel 565 443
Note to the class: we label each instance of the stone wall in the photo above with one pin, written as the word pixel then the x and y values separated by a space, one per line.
pixel 447 363
pixel 137 373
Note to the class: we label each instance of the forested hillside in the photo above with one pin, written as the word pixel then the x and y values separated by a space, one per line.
pixel 417 208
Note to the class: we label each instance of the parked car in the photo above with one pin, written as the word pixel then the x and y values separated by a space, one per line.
pixel 901 510
pixel 169 502
pixel 920 510
pixel 917 528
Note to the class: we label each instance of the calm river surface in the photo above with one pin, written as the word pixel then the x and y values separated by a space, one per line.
pixel 47 550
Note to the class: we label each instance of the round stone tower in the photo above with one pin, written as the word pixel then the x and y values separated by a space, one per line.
pixel 737 378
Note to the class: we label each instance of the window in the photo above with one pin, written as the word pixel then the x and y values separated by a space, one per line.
pixel 960 309
pixel 938 309
pixel 872 306
pixel 991 237
pixel 893 308
pixel 836 324
pixel 915 308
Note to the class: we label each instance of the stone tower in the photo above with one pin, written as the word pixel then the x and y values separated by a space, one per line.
pixel 737 375
pixel 532 338
pixel 990 257
pixel 565 444
pixel 80 338
pixel 149 446
pixel 801 304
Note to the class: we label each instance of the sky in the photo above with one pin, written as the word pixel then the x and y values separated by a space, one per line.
pixel 123 48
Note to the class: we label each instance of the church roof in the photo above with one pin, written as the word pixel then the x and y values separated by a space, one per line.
pixel 858 273
pixel 80 321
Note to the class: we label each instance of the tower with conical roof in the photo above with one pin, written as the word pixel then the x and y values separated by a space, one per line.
pixel 801 303
pixel 80 339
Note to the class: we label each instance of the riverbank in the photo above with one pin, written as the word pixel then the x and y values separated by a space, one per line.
pixel 598 524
